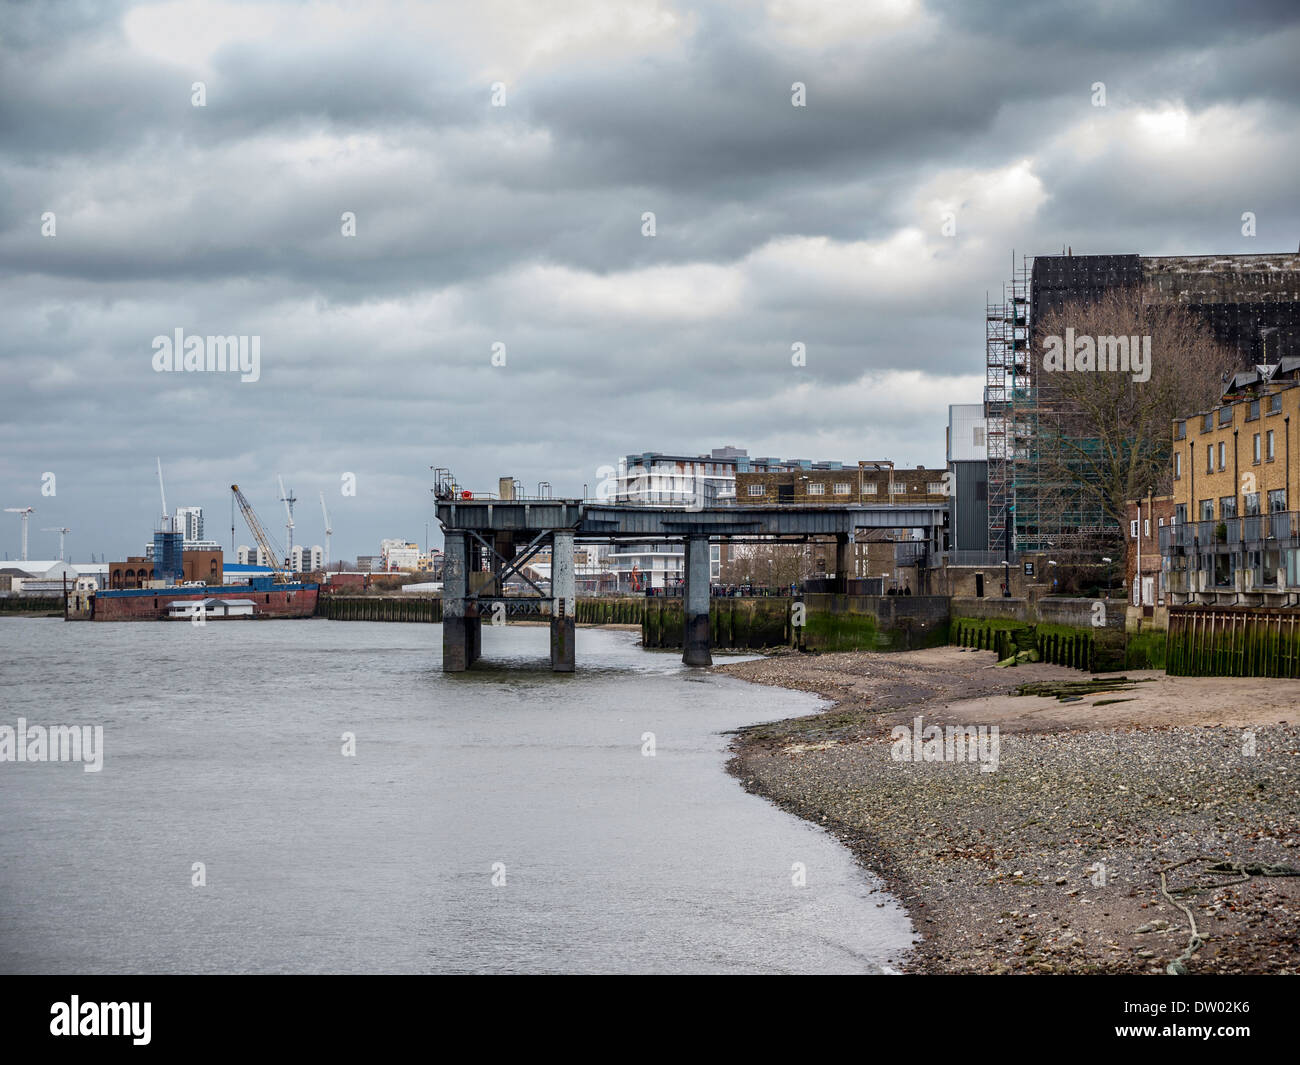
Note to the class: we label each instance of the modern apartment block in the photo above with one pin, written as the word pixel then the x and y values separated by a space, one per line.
pixel 399 555
pixel 664 479
pixel 1235 538
pixel 307 559
pixel 189 522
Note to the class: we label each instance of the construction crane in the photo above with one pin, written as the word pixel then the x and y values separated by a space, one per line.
pixel 163 492
pixel 62 533
pixel 260 535
pixel 288 499
pixel 24 513
pixel 328 530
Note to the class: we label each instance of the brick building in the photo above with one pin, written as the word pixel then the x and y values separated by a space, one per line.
pixel 894 557
pixel 1144 575
pixel 1234 538
pixel 833 484
pixel 137 570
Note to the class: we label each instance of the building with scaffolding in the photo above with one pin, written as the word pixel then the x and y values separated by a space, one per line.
pixel 1250 303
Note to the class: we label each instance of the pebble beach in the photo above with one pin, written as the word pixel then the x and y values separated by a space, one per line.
pixel 1050 861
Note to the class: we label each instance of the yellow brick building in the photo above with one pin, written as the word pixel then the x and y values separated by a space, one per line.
pixel 1235 538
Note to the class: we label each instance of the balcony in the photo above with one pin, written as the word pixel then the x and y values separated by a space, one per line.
pixel 1281 529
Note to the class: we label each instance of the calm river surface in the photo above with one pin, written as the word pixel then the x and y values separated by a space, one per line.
pixel 222 745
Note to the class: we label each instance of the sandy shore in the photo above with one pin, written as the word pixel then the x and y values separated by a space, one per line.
pixel 1051 862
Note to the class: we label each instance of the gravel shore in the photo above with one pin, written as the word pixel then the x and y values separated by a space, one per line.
pixel 1051 861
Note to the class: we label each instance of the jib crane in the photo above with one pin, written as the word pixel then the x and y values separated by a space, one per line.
pixel 259 534
pixel 328 530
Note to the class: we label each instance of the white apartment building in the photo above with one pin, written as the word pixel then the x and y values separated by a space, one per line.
pixel 246 556
pixel 307 559
pixel 189 522
pixel 399 555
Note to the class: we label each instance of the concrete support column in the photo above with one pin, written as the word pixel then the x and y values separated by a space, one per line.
pixel 473 633
pixel 455 647
pixel 564 602
pixel 695 604
pixel 843 562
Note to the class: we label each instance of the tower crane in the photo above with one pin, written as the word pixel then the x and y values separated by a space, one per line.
pixel 260 535
pixel 24 513
pixel 162 491
pixel 328 530
pixel 62 533
pixel 288 499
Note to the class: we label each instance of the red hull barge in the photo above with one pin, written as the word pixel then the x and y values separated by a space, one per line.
pixel 151 604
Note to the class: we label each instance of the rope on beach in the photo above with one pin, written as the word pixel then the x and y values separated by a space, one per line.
pixel 1244 871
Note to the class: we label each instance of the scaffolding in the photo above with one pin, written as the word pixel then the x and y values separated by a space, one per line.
pixel 1036 466
pixel 1008 382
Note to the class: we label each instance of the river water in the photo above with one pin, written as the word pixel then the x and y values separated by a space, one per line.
pixel 502 820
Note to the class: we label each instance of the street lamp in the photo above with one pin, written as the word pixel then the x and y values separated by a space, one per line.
pixel 1109 573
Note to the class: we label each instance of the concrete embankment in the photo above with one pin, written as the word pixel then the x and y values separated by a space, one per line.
pixel 1080 633
pixel 1048 859
pixel 42 605
pixel 379 608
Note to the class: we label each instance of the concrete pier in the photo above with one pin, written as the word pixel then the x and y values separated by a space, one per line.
pixel 843 562
pixel 564 603
pixel 493 539
pixel 695 631
pixel 455 645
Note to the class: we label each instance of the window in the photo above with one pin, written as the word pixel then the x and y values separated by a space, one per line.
pixel 1252 503
pixel 934 488
pixel 1160 522
pixel 1275 404
pixel 1207 510
pixel 1223 455
pixel 1133 529
pixel 1178 464
pixel 1225 415
pixel 1180 513
pixel 1146 528
pixel 1277 500
pixel 897 489
pixel 869 488
pixel 1253 414
pixel 1257 451
pixel 757 489
pixel 816 488
pixel 1268 446
pixel 1207 422
pixel 1180 430
pixel 1209 458
pixel 1227 507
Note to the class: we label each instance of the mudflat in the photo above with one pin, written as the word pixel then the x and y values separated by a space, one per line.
pixel 1051 861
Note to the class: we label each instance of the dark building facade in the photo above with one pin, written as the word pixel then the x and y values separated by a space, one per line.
pixel 1251 303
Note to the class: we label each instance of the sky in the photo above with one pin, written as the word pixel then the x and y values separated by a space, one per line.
pixel 504 303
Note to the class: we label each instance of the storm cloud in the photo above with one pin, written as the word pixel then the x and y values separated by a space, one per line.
pixel 523 225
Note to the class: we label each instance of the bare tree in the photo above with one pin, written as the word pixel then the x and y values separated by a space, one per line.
pixel 775 565
pixel 1109 379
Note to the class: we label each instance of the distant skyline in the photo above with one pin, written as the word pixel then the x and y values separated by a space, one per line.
pixel 867 225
